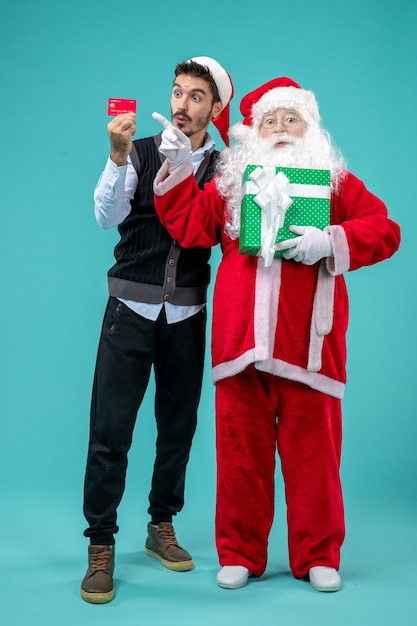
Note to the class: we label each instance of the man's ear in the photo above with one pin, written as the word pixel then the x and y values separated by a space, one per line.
pixel 217 108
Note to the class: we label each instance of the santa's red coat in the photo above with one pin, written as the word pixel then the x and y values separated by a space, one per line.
pixel 289 319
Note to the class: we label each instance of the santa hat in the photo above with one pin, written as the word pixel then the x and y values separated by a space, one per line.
pixel 225 88
pixel 280 92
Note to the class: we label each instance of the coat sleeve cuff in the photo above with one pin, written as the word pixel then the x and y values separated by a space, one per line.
pixel 339 263
pixel 166 180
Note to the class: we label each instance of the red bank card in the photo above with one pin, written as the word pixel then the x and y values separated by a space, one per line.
pixel 120 105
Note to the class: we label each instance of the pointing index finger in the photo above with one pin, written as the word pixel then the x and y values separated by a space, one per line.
pixel 161 119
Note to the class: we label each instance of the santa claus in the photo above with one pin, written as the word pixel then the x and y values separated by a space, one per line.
pixel 279 333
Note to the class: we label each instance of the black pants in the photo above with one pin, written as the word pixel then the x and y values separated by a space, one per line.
pixel 129 346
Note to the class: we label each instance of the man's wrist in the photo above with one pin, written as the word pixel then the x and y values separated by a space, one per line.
pixel 119 158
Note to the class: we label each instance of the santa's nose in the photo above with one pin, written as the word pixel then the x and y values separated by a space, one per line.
pixel 279 126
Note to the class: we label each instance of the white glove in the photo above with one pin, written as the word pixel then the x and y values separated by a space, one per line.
pixel 312 245
pixel 175 146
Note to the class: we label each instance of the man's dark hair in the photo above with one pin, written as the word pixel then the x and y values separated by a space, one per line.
pixel 192 68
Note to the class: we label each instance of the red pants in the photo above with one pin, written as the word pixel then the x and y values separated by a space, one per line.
pixel 255 413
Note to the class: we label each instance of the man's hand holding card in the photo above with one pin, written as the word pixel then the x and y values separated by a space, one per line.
pixel 121 129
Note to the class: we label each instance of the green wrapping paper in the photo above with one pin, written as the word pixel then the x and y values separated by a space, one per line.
pixel 307 191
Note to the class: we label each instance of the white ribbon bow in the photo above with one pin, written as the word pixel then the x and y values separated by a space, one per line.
pixel 271 198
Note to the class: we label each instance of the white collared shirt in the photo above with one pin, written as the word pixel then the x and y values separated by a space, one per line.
pixel 112 195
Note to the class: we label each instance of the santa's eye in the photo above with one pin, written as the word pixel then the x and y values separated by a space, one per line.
pixel 287 120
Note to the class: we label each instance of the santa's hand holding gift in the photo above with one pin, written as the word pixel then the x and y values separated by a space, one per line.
pixel 279 334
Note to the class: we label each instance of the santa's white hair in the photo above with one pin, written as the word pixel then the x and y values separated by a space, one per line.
pixel 315 150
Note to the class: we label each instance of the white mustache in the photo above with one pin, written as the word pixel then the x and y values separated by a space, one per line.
pixel 278 137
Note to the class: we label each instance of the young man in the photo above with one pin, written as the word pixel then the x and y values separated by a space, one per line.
pixel 156 317
pixel 279 334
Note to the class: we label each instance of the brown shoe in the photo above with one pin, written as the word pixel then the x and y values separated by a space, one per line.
pixel 162 544
pixel 97 586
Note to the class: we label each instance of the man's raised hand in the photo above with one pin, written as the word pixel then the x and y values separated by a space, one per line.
pixel 121 130
pixel 175 145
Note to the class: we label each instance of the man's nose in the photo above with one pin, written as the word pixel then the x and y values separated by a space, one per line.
pixel 183 103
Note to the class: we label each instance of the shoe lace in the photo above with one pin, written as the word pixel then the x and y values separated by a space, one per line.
pixel 168 535
pixel 100 560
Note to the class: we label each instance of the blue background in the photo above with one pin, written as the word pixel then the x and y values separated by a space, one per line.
pixel 60 61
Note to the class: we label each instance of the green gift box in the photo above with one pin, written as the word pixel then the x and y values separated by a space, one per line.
pixel 300 196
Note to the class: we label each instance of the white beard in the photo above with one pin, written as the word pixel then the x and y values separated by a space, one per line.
pixel 313 151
